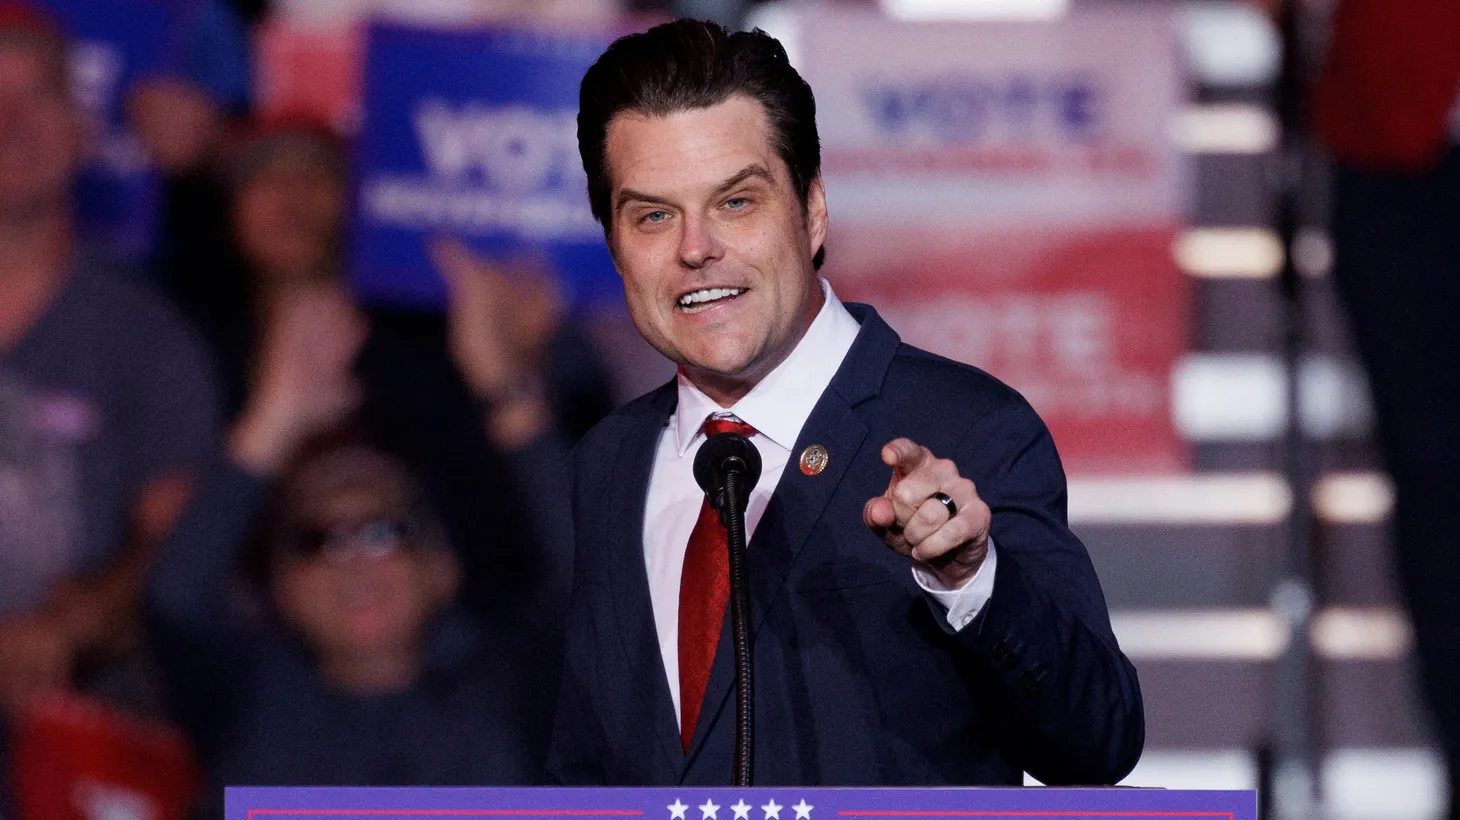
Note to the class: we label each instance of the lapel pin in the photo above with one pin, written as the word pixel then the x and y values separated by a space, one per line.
pixel 813 459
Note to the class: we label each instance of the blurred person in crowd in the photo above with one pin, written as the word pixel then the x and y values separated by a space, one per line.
pixel 180 115
pixel 360 671
pixel 288 213
pixel 182 118
pixel 174 99
pixel 1389 109
pixel 286 201
pixel 459 398
pixel 106 400
pixel 289 219
pixel 922 613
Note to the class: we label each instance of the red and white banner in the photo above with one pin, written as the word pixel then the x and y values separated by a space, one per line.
pixel 1006 194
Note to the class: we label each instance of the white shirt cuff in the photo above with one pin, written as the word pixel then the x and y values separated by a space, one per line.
pixel 962 605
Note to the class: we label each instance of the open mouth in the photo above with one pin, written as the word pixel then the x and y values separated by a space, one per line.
pixel 700 300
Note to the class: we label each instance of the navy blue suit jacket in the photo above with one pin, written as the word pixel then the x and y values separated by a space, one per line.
pixel 858 678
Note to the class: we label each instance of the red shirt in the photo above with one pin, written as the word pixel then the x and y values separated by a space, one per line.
pixel 1390 81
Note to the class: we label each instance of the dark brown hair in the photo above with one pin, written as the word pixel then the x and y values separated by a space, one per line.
pixel 690 64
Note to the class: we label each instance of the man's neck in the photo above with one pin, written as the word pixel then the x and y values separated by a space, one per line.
pixel 33 254
pixel 723 390
pixel 375 673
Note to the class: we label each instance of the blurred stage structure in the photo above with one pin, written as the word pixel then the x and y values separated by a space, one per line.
pixel 1189 560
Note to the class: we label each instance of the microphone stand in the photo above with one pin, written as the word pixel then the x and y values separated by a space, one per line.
pixel 732 515
pixel 726 468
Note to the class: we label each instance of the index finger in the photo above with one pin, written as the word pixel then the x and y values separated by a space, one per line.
pixel 904 455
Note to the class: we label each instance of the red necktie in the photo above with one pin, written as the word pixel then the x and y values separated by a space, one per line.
pixel 704 592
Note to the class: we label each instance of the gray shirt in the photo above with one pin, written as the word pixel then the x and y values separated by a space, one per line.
pixel 108 390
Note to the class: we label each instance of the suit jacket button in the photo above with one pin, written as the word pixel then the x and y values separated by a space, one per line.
pixel 1000 651
pixel 1009 661
pixel 1029 685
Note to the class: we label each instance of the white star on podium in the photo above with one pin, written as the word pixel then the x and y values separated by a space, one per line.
pixel 772 810
pixel 676 810
pixel 742 810
pixel 803 810
pixel 707 811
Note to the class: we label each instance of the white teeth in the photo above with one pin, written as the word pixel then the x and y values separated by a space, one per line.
pixel 707 295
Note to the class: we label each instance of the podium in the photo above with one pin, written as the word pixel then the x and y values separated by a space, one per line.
pixel 729 803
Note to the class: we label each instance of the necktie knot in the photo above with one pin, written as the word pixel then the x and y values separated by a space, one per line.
pixel 716 424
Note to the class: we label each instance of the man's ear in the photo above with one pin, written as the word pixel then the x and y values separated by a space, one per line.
pixel 816 214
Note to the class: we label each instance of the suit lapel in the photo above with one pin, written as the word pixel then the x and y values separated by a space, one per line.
pixel 782 536
pixel 633 609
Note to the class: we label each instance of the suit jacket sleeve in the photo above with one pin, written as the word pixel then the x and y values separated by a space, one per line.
pixel 1063 700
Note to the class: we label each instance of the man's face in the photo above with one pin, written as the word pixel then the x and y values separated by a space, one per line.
pixel 712 242
pixel 38 132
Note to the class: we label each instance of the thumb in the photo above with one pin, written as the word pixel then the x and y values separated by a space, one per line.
pixel 878 513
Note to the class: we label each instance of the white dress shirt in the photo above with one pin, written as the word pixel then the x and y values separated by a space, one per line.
pixel 777 408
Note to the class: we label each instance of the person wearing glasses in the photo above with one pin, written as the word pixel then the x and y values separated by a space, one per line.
pixel 349 660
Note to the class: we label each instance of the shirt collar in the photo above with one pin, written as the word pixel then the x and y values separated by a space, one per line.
pixel 780 404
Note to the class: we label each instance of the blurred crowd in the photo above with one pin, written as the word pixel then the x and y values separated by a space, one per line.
pixel 328 542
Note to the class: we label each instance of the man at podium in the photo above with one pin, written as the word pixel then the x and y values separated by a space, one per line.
pixel 920 612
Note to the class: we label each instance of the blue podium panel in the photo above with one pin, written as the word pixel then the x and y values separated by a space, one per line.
pixel 248 803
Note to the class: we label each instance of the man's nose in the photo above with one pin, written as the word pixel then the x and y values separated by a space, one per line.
pixel 698 245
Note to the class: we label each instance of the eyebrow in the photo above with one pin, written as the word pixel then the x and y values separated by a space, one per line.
pixel 756 171
pixel 753 171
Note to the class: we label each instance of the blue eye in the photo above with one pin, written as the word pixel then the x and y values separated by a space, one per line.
pixel 655 218
pixel 737 203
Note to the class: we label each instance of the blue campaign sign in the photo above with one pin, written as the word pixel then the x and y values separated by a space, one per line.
pixel 741 804
pixel 473 135
pixel 114 44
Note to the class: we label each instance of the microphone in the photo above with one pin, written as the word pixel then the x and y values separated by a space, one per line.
pixel 720 455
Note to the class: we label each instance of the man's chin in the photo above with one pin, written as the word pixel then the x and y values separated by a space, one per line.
pixel 718 371
pixel 724 382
